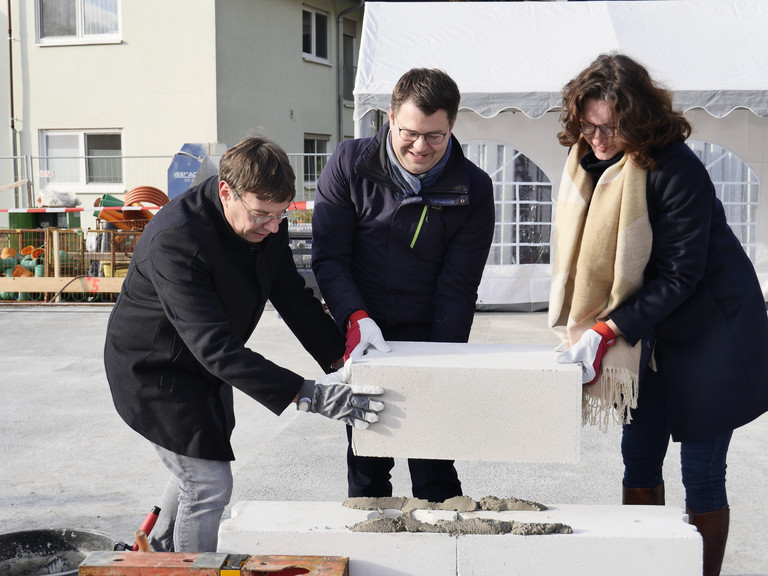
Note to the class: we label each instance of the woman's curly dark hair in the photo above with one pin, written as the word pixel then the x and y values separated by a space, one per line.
pixel 645 119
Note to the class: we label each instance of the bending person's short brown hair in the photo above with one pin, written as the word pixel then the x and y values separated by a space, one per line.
pixel 258 166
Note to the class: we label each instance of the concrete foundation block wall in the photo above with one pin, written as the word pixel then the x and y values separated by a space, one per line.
pixel 491 402
pixel 316 528
pixel 607 540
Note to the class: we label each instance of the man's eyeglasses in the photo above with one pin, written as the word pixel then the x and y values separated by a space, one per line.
pixel 431 138
pixel 261 218
pixel 588 129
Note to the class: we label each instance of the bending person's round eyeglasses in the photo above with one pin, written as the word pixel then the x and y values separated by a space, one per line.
pixel 261 218
pixel 588 129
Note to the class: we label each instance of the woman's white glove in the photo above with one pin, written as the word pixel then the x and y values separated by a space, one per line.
pixel 588 352
pixel 332 397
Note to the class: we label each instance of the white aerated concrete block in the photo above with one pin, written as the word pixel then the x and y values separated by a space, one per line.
pixel 606 541
pixel 492 402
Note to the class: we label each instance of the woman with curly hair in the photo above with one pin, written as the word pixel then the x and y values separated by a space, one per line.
pixel 652 293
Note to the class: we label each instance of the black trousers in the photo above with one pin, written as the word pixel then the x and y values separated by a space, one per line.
pixel 432 480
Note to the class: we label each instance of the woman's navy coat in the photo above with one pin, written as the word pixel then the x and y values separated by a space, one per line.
pixel 176 338
pixel 701 309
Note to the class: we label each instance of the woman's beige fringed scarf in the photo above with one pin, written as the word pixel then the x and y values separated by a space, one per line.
pixel 602 243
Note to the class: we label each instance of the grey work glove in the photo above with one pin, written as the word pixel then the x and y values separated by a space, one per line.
pixel 332 397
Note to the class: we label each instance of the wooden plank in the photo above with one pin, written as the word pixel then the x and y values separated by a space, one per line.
pixel 92 284
pixel 209 564
pixel 13 185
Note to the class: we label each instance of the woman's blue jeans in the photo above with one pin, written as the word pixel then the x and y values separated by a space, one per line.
pixel 644 445
pixel 192 503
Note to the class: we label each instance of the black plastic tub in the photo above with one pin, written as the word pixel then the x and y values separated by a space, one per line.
pixel 47 552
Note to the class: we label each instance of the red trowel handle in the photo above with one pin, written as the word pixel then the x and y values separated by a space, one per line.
pixel 148 524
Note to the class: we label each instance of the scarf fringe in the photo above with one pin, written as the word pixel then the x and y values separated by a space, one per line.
pixel 617 395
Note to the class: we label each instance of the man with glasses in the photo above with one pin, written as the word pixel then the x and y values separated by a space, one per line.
pixel 196 288
pixel 401 230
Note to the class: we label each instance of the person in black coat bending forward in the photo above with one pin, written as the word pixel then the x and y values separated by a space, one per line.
pixel 196 287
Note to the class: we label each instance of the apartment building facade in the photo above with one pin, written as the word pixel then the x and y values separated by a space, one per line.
pixel 102 93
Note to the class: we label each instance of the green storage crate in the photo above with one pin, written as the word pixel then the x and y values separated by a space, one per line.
pixel 21 220
pixel 31 220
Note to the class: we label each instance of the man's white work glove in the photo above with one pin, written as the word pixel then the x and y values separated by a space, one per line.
pixel 589 351
pixel 362 333
pixel 332 397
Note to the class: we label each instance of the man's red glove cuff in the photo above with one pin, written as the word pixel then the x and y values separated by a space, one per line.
pixel 356 316
pixel 353 331
pixel 609 336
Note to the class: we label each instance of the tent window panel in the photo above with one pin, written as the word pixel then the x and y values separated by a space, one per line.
pixel 741 231
pixel 737 187
pixel 528 212
pixel 499 192
pixel 523 194
pixel 502 251
pixel 534 254
pixel 502 254
pixel 508 233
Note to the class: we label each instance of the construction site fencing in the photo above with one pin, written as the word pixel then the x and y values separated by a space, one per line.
pixel 91 176
pixel 60 262
pixel 14 180
pixel 57 265
pixel 53 265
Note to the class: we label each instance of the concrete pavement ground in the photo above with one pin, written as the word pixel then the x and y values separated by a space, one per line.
pixel 68 461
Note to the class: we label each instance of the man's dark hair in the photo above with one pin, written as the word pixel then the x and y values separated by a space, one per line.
pixel 429 89
pixel 259 166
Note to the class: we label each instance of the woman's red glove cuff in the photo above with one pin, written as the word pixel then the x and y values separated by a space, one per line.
pixel 609 336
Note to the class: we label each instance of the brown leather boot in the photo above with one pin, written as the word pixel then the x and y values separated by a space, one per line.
pixel 713 527
pixel 644 496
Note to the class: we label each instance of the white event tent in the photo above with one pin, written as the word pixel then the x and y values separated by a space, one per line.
pixel 511 59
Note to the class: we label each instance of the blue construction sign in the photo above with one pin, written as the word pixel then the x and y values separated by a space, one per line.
pixel 193 164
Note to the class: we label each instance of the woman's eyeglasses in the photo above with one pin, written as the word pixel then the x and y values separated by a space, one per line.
pixel 588 129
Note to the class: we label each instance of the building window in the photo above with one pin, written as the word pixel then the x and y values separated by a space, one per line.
pixel 314 40
pixel 348 48
pixel 315 157
pixel 78 21
pixel 102 159
pixel 74 160
pixel 736 186
pixel 523 195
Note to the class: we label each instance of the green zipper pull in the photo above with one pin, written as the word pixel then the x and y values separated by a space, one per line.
pixel 418 228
